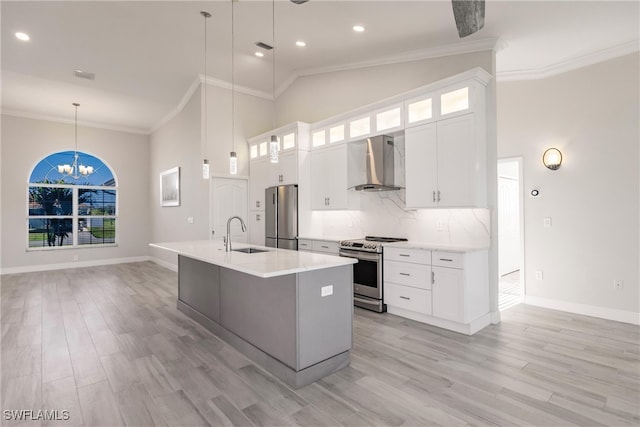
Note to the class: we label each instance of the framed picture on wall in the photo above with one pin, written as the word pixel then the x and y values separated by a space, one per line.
pixel 170 187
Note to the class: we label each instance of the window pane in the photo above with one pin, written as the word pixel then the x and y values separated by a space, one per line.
pixel 96 202
pixel 360 127
pixel 288 141
pixel 420 110
pixel 388 119
pixel 253 151
pixel 318 138
pixel 49 170
pixel 453 101
pixel 96 231
pixel 263 148
pixel 47 232
pixel 50 201
pixel 336 134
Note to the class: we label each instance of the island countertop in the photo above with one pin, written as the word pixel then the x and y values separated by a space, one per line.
pixel 274 262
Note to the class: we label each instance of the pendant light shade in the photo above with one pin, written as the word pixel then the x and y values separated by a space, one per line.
pixel 233 163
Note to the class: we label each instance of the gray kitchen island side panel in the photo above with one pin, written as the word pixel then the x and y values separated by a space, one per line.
pixel 262 311
pixel 199 286
pixel 325 322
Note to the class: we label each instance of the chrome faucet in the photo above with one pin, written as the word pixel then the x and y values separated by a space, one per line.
pixel 227 238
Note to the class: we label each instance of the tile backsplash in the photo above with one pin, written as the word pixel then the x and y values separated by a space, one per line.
pixel 384 214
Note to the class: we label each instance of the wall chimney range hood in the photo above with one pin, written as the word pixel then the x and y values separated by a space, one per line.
pixel 379 161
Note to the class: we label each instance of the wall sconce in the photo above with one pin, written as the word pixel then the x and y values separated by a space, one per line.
pixel 552 158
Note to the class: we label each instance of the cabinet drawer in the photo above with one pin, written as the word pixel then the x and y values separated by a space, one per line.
pixel 414 299
pixel 404 273
pixel 304 245
pixel 447 259
pixel 415 256
pixel 325 246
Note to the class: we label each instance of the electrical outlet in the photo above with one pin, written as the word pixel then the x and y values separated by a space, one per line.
pixel 617 285
pixel 190 220
pixel 539 275
pixel 326 291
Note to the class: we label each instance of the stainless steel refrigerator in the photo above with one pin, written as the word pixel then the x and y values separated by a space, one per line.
pixel 281 217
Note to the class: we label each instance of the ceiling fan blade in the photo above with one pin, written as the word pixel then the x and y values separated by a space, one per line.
pixel 469 16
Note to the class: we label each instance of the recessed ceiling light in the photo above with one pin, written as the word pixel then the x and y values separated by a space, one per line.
pixel 22 36
pixel 300 43
pixel 259 54
pixel 358 28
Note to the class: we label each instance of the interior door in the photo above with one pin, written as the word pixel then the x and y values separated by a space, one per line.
pixel 228 198
pixel 508 225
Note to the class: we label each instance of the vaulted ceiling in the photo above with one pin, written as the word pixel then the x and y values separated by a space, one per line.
pixel 146 54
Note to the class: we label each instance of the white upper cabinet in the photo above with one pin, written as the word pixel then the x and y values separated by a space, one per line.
pixel 446 164
pixel 329 178
pixel 419 110
pixel 285 171
pixel 454 101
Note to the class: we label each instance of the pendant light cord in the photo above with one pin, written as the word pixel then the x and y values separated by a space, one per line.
pixel 206 15
pixel 233 82
pixel 75 104
pixel 273 38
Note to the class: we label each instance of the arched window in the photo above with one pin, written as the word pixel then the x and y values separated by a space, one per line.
pixel 72 202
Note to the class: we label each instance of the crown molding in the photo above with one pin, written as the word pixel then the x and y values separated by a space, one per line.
pixel 36 116
pixel 238 89
pixel 178 108
pixel 571 63
pixel 408 56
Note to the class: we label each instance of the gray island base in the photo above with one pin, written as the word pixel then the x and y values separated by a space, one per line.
pixel 297 326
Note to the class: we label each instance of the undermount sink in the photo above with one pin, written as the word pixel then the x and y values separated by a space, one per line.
pixel 250 250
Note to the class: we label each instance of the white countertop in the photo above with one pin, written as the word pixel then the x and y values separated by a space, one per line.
pixel 275 262
pixel 434 246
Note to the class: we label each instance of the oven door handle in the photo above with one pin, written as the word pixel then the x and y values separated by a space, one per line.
pixel 364 256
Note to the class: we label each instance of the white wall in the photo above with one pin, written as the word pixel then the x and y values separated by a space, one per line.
pixel 591 115
pixel 180 142
pixel 24 143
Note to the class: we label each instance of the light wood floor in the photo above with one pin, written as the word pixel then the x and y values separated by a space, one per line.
pixel 108 345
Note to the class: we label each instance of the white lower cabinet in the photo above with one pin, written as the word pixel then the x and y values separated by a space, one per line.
pixel 442 288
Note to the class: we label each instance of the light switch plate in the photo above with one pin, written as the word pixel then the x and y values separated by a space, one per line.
pixel 547 222
pixel 326 291
pixel 190 220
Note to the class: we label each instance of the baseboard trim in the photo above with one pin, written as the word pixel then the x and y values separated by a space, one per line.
pixel 586 310
pixel 165 264
pixel 74 264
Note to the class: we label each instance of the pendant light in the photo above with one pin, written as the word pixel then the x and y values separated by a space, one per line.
pixel 75 170
pixel 274 145
pixel 233 158
pixel 205 161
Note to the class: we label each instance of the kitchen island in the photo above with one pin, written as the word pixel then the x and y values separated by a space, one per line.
pixel 291 312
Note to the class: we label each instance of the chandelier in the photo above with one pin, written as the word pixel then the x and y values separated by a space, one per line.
pixel 75 170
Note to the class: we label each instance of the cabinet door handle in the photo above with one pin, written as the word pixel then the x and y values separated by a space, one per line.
pixel 257 217
pixel 324 246
pixel 405 274
pixel 407 298
pixel 446 259
pixel 329 201
pixel 433 278
pixel 434 195
pixel 257 203
pixel 438 195
pixel 407 255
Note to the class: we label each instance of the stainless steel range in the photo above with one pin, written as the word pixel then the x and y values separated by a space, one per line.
pixel 367 273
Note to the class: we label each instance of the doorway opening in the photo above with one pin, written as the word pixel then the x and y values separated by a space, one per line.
pixel 510 233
